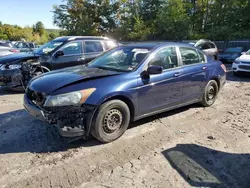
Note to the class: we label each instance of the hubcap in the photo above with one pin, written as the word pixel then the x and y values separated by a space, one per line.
pixel 112 121
pixel 211 93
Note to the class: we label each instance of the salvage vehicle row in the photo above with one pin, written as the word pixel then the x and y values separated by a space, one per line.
pixel 16 70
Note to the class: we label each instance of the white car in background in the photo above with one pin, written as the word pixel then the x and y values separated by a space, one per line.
pixel 6 48
pixel 242 64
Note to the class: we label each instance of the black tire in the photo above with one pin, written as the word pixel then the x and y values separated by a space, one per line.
pixel 110 121
pixel 210 93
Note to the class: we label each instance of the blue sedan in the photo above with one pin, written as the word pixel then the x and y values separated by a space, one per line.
pixel 124 84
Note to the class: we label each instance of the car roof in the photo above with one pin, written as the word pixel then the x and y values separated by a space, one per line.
pixel 69 38
pixel 152 45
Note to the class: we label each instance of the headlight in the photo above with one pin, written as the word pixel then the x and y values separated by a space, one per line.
pixel 15 66
pixel 237 62
pixel 69 99
pixel 10 67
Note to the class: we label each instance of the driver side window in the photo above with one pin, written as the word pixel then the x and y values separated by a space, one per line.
pixel 72 48
pixel 166 58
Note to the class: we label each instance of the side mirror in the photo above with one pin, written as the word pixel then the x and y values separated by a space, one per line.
pixel 155 69
pixel 243 53
pixel 59 53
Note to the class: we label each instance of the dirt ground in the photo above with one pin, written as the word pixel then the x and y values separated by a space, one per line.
pixel 188 147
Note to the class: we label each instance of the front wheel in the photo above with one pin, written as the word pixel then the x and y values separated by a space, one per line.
pixel 210 93
pixel 111 121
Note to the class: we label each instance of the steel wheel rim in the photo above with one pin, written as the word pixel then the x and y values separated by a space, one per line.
pixel 112 121
pixel 211 93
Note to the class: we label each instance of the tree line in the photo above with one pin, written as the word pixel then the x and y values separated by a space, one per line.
pixel 37 33
pixel 142 20
pixel 155 19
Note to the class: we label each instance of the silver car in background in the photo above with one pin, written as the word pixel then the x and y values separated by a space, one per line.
pixel 7 48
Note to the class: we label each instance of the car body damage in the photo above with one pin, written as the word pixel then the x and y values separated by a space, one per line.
pixel 57 54
pixel 19 72
pixel 71 120
pixel 125 84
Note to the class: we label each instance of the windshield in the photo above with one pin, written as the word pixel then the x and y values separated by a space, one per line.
pixel 125 58
pixel 233 50
pixel 248 52
pixel 48 47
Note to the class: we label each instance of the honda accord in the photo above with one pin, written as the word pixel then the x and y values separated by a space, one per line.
pixel 125 84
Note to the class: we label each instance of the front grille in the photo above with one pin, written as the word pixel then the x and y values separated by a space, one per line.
pixel 36 97
pixel 245 62
pixel 5 79
pixel 244 67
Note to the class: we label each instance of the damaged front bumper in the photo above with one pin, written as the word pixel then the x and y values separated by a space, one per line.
pixel 11 78
pixel 70 121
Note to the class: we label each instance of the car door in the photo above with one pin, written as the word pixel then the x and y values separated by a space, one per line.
pixel 72 55
pixel 164 90
pixel 92 49
pixel 195 70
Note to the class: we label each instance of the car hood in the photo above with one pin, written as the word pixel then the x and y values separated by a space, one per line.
pixel 16 57
pixel 244 58
pixel 52 81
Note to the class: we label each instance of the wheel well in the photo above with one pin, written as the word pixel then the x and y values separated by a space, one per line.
pixel 127 101
pixel 45 69
pixel 218 82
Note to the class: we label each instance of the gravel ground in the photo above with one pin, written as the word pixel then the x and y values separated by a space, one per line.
pixel 188 147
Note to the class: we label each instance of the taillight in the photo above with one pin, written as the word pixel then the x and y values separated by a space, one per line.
pixel 14 50
pixel 223 67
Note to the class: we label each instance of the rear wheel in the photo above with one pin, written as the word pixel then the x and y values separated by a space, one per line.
pixel 111 121
pixel 210 93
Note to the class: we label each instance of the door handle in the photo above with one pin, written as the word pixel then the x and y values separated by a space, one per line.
pixel 177 74
pixel 204 68
pixel 81 59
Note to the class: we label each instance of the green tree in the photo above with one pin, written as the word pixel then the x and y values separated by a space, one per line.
pixel 155 19
pixel 86 17
pixel 172 21
pixel 39 28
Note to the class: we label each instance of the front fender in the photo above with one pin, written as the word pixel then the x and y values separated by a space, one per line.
pixel 115 94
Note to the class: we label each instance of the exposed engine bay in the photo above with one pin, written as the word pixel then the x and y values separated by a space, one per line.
pixel 19 74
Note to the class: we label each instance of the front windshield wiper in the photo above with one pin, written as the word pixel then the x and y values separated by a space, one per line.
pixel 110 68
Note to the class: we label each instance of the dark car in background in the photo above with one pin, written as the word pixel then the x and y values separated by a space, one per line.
pixel 16 70
pixel 125 84
pixel 25 46
pixel 6 48
pixel 208 47
pixel 230 54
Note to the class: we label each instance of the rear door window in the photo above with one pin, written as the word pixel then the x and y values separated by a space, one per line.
pixel 189 56
pixel 94 47
pixel 202 57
